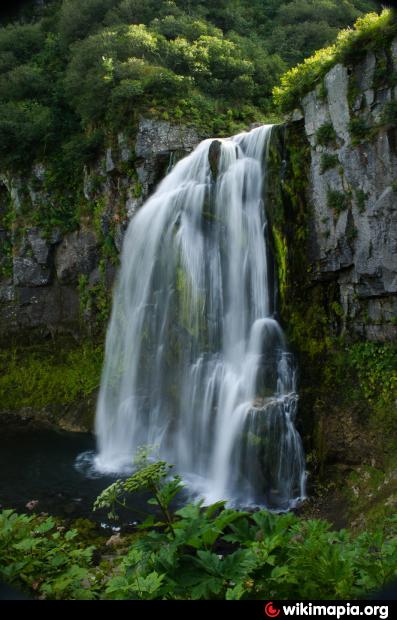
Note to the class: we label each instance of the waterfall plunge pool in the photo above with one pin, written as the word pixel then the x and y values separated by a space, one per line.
pixel 56 469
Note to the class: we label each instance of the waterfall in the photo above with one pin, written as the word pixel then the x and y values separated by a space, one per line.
pixel 195 363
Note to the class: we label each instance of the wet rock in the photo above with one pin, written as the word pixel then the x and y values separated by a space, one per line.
pixel 115 541
pixel 77 254
pixel 155 137
pixel 355 246
pixel 214 155
pixel 40 310
pixel 40 246
pixel 32 261
pixel 7 293
pixel 124 147
pixel 27 272
pixel 32 504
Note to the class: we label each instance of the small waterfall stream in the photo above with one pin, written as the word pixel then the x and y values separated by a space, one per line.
pixel 195 363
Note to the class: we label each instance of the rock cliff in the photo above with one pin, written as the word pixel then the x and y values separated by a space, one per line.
pixel 350 124
pixel 332 208
pixel 51 278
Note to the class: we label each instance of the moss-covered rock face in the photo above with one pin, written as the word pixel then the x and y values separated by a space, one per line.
pixel 333 222
pixel 58 253
pixel 353 164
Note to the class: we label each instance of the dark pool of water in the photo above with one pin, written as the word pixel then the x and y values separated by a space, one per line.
pixel 55 468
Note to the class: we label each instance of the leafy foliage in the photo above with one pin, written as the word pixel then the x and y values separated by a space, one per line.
pixel 370 32
pixel 212 553
pixel 376 368
pixel 90 63
pixel 36 553
pixel 281 554
pixel 326 134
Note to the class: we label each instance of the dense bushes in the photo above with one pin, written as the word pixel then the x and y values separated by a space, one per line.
pixel 370 32
pixel 92 63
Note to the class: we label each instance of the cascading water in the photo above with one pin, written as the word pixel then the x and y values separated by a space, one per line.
pixel 194 361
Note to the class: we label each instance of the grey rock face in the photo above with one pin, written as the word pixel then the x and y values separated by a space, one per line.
pixel 47 308
pixel 156 137
pixel 110 166
pixel 316 114
pixel 27 272
pixel 124 147
pixel 355 245
pixel 42 293
pixel 156 144
pixel 31 263
pixel 336 82
pixel 77 254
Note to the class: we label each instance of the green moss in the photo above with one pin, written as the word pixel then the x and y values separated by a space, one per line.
pixel 371 495
pixel 281 249
pixel 361 198
pixel 322 92
pixel 187 315
pixel 137 190
pixel 389 114
pixel 7 219
pixel 360 131
pixel 51 374
pixel 95 300
pixel 337 201
pixel 352 233
pixel 376 368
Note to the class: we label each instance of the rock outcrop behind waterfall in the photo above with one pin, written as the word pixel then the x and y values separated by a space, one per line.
pixel 50 278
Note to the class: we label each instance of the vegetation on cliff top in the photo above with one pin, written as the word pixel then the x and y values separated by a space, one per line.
pixel 84 67
pixel 371 32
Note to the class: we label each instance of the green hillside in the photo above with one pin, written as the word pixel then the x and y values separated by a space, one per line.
pixel 73 70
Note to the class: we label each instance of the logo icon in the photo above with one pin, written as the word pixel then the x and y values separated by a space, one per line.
pixel 271 611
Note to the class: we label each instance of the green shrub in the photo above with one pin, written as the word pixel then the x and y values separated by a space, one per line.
pixel 359 130
pixel 361 198
pixel 93 64
pixel 326 135
pixel 376 368
pixel 198 552
pixel 37 554
pixel 337 201
pixel 371 32
pixel 328 162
